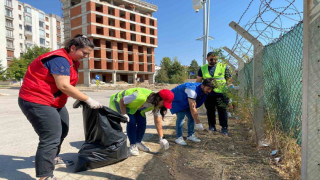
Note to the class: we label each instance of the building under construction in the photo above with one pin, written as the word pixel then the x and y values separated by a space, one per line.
pixel 124 33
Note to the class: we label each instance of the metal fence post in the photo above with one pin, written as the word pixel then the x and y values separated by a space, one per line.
pixel 311 91
pixel 239 59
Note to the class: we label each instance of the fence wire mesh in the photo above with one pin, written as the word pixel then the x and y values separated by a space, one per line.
pixel 282 68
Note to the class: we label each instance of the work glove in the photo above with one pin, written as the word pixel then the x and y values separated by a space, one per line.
pixel 164 144
pixel 93 103
pixel 126 115
pixel 199 127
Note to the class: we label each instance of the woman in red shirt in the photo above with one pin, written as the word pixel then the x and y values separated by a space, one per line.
pixel 49 81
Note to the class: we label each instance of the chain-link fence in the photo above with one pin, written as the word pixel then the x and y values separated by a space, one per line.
pixel 282 70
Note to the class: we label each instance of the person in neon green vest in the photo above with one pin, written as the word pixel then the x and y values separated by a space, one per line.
pixel 134 103
pixel 217 99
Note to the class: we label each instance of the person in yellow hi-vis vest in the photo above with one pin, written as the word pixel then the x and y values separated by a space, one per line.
pixel 217 99
pixel 134 103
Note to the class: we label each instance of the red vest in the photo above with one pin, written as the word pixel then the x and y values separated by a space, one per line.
pixel 39 85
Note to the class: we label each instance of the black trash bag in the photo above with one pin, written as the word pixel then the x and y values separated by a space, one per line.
pixel 105 143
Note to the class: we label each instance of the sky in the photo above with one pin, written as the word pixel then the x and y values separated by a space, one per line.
pixel 179 25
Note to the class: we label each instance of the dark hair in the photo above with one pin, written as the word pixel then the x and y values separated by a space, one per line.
pixel 154 99
pixel 209 82
pixel 212 53
pixel 80 41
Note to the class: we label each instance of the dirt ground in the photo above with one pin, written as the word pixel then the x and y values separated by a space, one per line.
pixel 215 157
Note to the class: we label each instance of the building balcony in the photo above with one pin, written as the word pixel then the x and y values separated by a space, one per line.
pixel 9 17
pixel 28 33
pixel 28 42
pixel 11 48
pixel 10 37
pixel 9 6
pixel 26 12
pixel 27 23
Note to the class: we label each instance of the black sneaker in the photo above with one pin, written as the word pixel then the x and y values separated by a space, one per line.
pixel 224 131
pixel 213 129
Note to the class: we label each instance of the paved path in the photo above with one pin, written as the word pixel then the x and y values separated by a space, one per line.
pixel 18 143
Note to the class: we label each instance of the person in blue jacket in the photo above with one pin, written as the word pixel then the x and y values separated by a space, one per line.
pixel 187 98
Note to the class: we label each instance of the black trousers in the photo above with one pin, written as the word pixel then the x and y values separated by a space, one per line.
pixel 52 126
pixel 217 101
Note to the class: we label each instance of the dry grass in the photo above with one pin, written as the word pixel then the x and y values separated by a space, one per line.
pixel 289 151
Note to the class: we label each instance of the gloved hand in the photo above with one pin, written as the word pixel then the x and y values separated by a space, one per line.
pixel 164 144
pixel 199 127
pixel 93 103
pixel 126 115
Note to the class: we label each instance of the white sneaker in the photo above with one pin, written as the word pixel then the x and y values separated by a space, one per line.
pixel 134 150
pixel 181 141
pixel 193 138
pixel 143 147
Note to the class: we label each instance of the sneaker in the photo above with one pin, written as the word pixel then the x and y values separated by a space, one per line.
pixel 134 150
pixel 60 161
pixel 181 141
pixel 224 131
pixel 193 138
pixel 142 147
pixel 213 129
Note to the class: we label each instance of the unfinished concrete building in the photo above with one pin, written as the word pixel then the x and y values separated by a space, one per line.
pixel 124 33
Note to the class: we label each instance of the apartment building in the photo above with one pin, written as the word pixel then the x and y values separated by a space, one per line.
pixel 124 33
pixel 25 26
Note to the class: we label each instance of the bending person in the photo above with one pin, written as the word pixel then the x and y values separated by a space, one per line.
pixel 187 98
pixel 48 82
pixel 135 102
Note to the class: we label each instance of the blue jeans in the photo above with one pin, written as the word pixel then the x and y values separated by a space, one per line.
pixel 180 121
pixel 136 127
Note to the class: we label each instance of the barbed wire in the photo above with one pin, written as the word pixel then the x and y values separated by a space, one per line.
pixel 267 25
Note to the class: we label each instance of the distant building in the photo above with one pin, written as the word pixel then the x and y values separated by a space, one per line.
pixel 124 33
pixel 23 26
pixel 157 69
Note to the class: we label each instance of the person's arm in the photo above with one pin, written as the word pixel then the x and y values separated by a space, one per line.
pixel 158 124
pixel 199 79
pixel 63 84
pixel 193 110
pixel 164 144
pixel 123 107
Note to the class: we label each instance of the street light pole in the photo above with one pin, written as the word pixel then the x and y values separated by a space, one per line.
pixel 205 4
pixel 207 32
pixel 204 32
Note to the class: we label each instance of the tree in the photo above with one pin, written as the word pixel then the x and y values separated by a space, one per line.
pixel 33 53
pixel 18 67
pixel 172 72
pixel 176 73
pixel 2 73
pixel 162 76
pixel 166 63
pixel 193 68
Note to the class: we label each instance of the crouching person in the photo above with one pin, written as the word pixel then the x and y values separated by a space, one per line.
pixel 135 102
pixel 187 98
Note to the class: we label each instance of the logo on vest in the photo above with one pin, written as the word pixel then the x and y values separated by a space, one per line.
pixel 220 74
